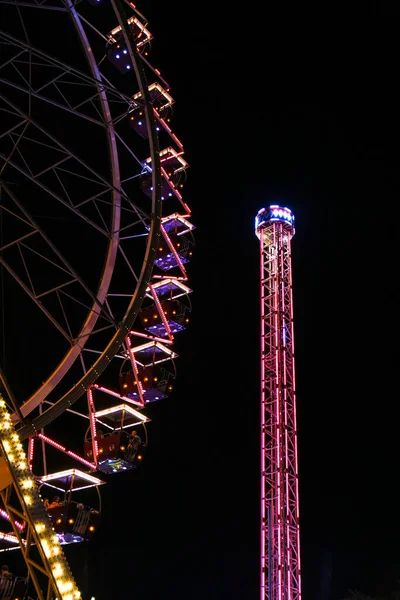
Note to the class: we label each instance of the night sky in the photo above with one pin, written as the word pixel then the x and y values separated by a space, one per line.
pixel 272 110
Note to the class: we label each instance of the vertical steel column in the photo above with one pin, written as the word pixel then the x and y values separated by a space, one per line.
pixel 280 543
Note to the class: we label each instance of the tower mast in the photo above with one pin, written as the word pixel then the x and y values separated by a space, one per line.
pixel 280 541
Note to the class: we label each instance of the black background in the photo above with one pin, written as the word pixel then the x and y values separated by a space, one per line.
pixel 299 109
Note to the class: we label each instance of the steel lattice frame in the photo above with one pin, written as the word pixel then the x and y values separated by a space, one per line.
pixel 118 218
pixel 280 543
pixel 39 91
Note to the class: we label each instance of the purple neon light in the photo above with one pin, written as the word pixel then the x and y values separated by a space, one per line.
pixel 280 540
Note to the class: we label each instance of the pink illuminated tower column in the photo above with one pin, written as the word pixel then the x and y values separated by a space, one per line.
pixel 280 542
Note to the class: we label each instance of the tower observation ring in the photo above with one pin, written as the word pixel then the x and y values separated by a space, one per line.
pixel 274 214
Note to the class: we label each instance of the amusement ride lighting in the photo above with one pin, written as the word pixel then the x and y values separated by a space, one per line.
pixel 45 537
pixel 125 408
pixel 71 472
pixel 132 21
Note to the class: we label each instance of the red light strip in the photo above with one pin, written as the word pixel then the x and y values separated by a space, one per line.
pixel 135 370
pixel 161 312
pixel 116 395
pixel 174 252
pixel 31 449
pixel 294 406
pixel 168 129
pixel 152 338
pixel 5 515
pixel 95 446
pixel 280 534
pixel 68 452
pixel 176 191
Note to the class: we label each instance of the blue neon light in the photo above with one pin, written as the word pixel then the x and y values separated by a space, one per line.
pixel 274 213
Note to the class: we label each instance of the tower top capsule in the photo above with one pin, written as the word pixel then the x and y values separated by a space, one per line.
pixel 273 214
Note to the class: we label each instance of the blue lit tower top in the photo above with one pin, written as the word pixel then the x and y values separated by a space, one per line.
pixel 274 214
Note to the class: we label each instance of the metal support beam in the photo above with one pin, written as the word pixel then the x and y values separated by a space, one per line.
pixel 22 501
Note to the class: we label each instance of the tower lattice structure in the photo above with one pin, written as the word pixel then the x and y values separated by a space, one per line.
pixel 280 540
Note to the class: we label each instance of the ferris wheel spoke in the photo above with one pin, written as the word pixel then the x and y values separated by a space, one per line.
pixel 48 100
pixel 57 289
pixel 57 197
pixel 88 307
pixel 130 225
pixel 92 303
pixel 66 267
pixel 60 147
pixel 128 149
pixel 52 167
pixel 35 4
pixel 15 143
pixel 12 58
pixel 48 83
pixel 59 176
pixel 18 241
pixel 35 300
pixel 103 84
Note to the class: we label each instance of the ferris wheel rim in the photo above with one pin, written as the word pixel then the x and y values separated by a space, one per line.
pixel 69 358
pixel 105 278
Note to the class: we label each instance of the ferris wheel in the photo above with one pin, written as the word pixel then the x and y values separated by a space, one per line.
pixel 95 237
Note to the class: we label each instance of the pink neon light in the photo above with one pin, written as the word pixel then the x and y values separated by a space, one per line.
pixel 295 422
pixel 63 449
pixel 278 433
pixel 280 539
pixel 161 312
pixel 31 448
pixel 176 191
pixel 152 338
pixel 135 370
pixel 177 277
pixel 174 252
pixel 95 446
pixel 262 571
pixel 116 395
pixel 5 515
pixel 168 129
